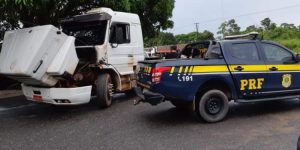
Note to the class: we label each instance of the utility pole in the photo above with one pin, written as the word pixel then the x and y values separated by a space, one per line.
pixel 197 29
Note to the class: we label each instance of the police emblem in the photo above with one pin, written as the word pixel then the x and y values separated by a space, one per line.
pixel 286 80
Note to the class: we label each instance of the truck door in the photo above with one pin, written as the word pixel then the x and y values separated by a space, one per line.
pixel 120 54
pixel 283 70
pixel 247 68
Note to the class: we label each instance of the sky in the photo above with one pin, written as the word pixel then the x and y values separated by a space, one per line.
pixel 211 13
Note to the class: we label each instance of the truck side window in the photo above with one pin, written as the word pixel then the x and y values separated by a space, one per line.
pixel 276 53
pixel 120 33
pixel 244 51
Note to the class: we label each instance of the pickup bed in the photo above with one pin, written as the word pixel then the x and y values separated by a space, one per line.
pixel 212 73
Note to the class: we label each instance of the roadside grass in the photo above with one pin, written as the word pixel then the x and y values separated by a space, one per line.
pixel 293 44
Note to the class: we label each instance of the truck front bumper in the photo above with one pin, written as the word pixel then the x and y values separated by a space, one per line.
pixel 58 96
pixel 148 96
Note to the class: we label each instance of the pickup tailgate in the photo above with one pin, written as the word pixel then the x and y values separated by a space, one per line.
pixel 145 73
pixel 151 72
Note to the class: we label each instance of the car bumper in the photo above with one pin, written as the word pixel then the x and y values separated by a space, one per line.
pixel 149 97
pixel 58 96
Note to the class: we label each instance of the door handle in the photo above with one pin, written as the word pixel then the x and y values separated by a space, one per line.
pixel 273 69
pixel 239 68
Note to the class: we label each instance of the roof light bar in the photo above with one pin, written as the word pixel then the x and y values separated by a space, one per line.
pixel 249 36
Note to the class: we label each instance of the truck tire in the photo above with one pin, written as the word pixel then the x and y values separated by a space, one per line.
pixel 212 106
pixel 104 91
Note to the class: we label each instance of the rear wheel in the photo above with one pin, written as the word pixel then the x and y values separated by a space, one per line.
pixel 212 106
pixel 104 91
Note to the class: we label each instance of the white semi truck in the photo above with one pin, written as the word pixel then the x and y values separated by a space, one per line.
pixel 94 54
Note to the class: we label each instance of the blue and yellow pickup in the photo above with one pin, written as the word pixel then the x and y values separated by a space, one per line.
pixel 239 69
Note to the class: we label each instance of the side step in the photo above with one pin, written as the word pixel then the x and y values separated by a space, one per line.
pixel 266 99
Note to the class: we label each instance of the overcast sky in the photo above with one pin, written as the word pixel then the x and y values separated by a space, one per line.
pixel 210 13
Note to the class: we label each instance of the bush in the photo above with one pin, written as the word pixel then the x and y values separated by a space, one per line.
pixel 293 44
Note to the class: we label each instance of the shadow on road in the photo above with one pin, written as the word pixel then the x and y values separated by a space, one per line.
pixel 237 111
pixel 19 107
pixel 163 114
pixel 170 116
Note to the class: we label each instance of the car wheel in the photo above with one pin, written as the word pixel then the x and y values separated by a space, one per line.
pixel 212 106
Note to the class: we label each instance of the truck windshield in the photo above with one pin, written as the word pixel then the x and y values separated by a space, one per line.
pixel 86 33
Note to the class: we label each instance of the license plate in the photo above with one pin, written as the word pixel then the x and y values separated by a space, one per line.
pixel 37 98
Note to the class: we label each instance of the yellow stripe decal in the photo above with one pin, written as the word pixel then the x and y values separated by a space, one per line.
pixel 180 70
pixel 249 68
pixel 293 67
pixel 201 69
pixel 172 70
pixel 186 70
pixel 224 68
pixel 150 68
pixel 191 69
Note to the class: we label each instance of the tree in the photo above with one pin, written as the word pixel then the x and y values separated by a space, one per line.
pixel 253 28
pixel 193 37
pixel 229 28
pixel 288 26
pixel 268 24
pixel 163 38
pixel 155 14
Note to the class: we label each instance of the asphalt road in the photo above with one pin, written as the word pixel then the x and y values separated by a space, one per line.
pixel 24 125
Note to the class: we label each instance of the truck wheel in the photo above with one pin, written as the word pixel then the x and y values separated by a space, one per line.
pixel 104 91
pixel 212 106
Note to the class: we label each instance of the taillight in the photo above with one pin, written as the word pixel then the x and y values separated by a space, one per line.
pixel 158 72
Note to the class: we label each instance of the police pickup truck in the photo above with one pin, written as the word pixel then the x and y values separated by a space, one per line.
pixel 241 68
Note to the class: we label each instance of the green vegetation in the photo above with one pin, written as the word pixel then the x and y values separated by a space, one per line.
pixel 285 34
pixel 229 28
pixel 166 38
pixel 155 14
pixel 194 37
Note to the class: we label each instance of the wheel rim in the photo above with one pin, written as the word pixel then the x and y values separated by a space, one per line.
pixel 214 106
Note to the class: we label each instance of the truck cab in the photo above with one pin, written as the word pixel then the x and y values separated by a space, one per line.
pixel 93 54
pixel 114 38
pixel 240 68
